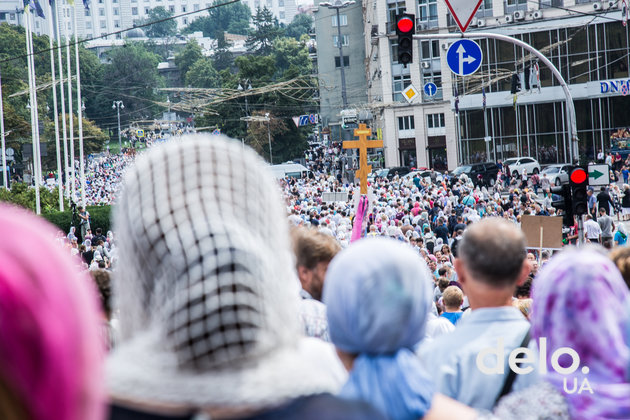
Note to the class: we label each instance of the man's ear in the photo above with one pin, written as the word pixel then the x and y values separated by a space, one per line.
pixel 305 275
pixel 460 269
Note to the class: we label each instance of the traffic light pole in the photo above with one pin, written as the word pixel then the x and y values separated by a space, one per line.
pixel 580 230
pixel 570 107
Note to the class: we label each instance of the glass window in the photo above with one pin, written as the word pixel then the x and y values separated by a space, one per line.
pixel 103 24
pixel 346 61
pixel 400 83
pixel 11 16
pixel 196 7
pixel 435 121
pixel 101 12
pixel 280 3
pixel 345 38
pixel 281 15
pixel 134 11
pixel 183 9
pixel 88 25
pixel 406 123
pixel 87 12
pixel 116 12
pixel 427 10
pixel 342 18
pixel 171 9
pixel 394 9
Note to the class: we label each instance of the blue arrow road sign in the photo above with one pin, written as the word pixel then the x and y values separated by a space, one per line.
pixel 303 120
pixel 430 89
pixel 464 57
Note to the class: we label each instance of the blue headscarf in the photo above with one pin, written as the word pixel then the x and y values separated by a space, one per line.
pixel 378 298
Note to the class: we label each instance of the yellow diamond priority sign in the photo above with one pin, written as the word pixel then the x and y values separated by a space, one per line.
pixel 410 93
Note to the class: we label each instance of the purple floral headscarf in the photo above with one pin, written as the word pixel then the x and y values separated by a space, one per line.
pixel 580 301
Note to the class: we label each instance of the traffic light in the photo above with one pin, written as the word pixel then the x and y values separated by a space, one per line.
pixel 405 28
pixel 579 184
pixel 561 200
pixel 516 84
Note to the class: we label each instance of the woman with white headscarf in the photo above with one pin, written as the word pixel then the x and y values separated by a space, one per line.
pixel 207 295
pixel 378 298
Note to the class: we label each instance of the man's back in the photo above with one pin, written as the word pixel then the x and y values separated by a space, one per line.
pixel 451 359
pixel 606 225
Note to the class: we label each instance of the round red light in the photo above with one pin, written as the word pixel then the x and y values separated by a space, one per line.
pixel 405 24
pixel 578 176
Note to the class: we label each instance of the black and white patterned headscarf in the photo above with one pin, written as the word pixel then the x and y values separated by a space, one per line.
pixel 205 285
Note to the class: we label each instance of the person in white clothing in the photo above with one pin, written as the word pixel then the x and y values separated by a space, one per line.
pixel 592 230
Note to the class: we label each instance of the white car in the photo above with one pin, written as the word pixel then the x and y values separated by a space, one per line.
pixel 557 174
pixel 517 165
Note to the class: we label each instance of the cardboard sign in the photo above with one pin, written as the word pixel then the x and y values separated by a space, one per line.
pixel 542 231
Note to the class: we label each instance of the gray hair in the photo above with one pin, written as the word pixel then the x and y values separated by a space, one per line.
pixel 493 251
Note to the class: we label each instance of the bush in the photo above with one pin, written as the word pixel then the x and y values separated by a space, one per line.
pixel 99 218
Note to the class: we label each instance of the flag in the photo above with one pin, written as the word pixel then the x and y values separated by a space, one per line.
pixel 35 6
pixel 514 101
pixel 483 92
pixel 537 75
pixel 456 101
pixel 86 4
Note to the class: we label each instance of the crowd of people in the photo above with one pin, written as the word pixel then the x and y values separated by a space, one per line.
pixel 222 295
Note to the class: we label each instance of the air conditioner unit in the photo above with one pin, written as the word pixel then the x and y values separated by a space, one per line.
pixel 481 23
pixel 422 26
pixel 612 4
pixel 474 22
pixel 509 19
pixel 426 65
pixel 537 14
pixel 597 6
pixel 519 15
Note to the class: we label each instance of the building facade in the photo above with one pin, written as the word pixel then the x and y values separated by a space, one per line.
pixel 586 41
pixel 329 67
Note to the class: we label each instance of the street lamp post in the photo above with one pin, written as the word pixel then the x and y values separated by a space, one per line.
pixel 269 137
pixel 117 105
pixel 340 4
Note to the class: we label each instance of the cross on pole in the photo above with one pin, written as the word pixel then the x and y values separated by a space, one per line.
pixel 363 144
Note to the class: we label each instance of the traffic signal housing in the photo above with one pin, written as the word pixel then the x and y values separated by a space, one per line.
pixel 405 29
pixel 578 180
pixel 561 200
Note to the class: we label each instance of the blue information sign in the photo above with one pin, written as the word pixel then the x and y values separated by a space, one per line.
pixel 430 89
pixel 464 57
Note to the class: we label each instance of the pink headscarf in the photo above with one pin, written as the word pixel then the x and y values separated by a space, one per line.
pixel 51 348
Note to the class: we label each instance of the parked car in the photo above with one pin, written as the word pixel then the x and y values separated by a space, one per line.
pixel 389 173
pixel 424 173
pixel 557 174
pixel 487 170
pixel 518 164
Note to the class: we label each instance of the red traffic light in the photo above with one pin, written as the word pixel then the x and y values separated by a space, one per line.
pixel 578 176
pixel 405 24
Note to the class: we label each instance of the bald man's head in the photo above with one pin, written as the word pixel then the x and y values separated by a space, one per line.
pixel 493 252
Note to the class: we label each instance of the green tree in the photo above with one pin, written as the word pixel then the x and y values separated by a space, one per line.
pixel 232 18
pixel 288 52
pixel 188 56
pixel 132 76
pixel 265 31
pixel 222 57
pixel 300 25
pixel 202 74
pixel 166 26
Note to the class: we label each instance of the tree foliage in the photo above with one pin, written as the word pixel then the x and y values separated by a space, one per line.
pixel 167 27
pixel 265 31
pixel 222 57
pixel 132 76
pixel 232 18
pixel 202 74
pixel 300 25
pixel 188 56
pixel 288 52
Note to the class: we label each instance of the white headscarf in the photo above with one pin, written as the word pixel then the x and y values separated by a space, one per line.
pixel 208 302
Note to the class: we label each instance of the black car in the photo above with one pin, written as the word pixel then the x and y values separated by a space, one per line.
pixel 479 173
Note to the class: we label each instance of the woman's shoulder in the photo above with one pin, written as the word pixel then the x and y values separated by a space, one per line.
pixel 540 401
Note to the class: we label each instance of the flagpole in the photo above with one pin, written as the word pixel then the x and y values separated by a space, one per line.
pixel 70 114
pixel 4 156
pixel 33 105
pixel 54 92
pixel 485 124
pixel 63 104
pixel 79 107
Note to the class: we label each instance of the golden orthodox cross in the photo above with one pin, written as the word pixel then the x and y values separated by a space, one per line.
pixel 363 144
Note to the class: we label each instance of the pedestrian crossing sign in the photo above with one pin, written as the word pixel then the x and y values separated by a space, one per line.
pixel 139 133
pixel 410 93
